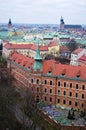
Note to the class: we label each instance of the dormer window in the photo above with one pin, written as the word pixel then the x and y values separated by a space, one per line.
pixel 63 72
pixel 49 72
pixel 19 61
pixel 78 74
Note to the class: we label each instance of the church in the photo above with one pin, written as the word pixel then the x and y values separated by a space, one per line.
pixel 69 27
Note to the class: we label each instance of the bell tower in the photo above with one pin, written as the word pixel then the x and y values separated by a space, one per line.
pixel 62 23
pixel 9 23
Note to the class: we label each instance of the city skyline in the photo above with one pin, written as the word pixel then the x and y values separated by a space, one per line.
pixel 43 12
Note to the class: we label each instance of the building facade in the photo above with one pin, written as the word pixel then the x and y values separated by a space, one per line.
pixel 78 57
pixel 56 84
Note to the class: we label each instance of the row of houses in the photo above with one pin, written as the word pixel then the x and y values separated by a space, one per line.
pixel 30 49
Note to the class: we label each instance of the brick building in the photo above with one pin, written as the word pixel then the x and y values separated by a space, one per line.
pixel 56 84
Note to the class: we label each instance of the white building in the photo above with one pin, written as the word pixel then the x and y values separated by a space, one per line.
pixel 78 53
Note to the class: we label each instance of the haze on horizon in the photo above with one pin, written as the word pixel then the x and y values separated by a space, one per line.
pixel 43 11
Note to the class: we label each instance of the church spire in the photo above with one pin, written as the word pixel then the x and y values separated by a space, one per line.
pixel 62 23
pixel 62 20
pixel 38 60
pixel 9 23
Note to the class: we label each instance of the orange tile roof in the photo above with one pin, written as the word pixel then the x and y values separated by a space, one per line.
pixel 25 46
pixel 52 44
pixel 57 69
pixel 22 60
pixel 18 46
pixel 43 48
pixel 77 51
pixel 70 71
pixel 82 58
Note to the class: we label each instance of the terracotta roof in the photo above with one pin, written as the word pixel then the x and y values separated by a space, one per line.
pixel 70 71
pixel 22 60
pixel 52 44
pixel 18 46
pixel 25 46
pixel 82 58
pixel 33 47
pixel 56 69
pixel 77 51
pixel 42 48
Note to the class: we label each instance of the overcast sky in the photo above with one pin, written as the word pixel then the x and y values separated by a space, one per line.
pixel 43 11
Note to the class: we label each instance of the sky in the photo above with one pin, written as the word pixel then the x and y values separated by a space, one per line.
pixel 43 11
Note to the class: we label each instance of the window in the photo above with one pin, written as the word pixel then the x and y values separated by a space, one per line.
pixel 76 103
pixel 50 99
pixel 82 95
pixel 45 90
pixel 76 86
pixel 31 80
pixel 70 94
pixel 58 100
pixel 82 105
pixel 78 76
pixel 64 84
pixel 58 83
pixel 83 87
pixel 76 94
pixel 49 72
pixel 37 81
pixel 45 98
pixel 37 90
pixel 63 74
pixel 70 85
pixel 50 90
pixel 70 102
pixel 45 82
pixel 50 82
pixel 64 102
pixel 58 92
pixel 64 93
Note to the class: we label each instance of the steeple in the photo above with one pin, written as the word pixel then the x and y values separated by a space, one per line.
pixel 9 23
pixel 62 23
pixel 61 20
pixel 38 60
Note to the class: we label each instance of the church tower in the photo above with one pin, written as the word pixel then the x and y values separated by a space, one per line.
pixel 37 60
pixel 62 23
pixel 9 23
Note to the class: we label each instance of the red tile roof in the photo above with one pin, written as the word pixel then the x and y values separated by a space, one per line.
pixel 43 48
pixel 77 51
pixel 57 69
pixel 25 46
pixel 52 44
pixel 82 58
pixel 22 60
pixel 18 46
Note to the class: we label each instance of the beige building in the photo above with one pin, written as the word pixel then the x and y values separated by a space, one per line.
pixel 30 49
